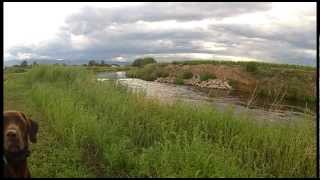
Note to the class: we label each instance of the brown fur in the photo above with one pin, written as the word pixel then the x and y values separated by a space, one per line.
pixel 18 130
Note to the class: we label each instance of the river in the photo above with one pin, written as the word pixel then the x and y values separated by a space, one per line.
pixel 172 92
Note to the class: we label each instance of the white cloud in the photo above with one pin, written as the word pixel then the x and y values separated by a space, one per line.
pixel 24 55
pixel 26 23
pixel 81 42
pixel 211 46
pixel 120 59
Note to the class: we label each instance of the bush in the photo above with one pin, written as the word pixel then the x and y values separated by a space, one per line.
pixel 206 76
pixel 233 83
pixel 251 67
pixel 179 81
pixel 149 73
pixel 187 74
pixel 24 63
pixel 92 63
pixel 140 62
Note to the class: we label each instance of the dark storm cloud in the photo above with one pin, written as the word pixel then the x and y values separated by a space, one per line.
pixel 106 33
pixel 301 36
pixel 91 19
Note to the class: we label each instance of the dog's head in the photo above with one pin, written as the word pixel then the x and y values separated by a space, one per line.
pixel 18 130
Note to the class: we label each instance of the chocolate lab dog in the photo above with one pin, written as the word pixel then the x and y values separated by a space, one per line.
pixel 18 130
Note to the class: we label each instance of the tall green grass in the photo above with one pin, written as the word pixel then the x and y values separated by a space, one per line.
pixel 137 137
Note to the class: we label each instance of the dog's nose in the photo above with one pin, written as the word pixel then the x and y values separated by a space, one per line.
pixel 12 134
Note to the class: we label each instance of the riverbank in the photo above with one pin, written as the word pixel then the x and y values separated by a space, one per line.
pixel 131 136
pixel 168 93
pixel 268 85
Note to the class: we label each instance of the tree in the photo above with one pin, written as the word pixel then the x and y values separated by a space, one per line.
pixel 143 61
pixel 24 63
pixel 34 63
pixel 92 63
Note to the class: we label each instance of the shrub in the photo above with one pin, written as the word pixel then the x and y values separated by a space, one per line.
pixel 206 76
pixel 140 62
pixel 160 71
pixel 233 83
pixel 251 67
pixel 150 72
pixel 24 63
pixel 187 74
pixel 179 81
pixel 92 63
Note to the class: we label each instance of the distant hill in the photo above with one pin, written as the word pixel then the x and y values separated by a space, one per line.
pixel 53 61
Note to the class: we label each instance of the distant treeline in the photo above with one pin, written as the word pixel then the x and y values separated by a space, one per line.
pixel 143 61
pixel 102 63
pixel 90 63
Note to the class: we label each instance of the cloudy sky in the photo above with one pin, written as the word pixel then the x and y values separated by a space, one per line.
pixel 270 32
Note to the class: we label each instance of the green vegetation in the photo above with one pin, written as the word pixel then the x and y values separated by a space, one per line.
pixel 50 157
pixel 16 69
pixel 243 64
pixel 97 69
pixel 186 74
pixel 150 72
pixel 299 87
pixel 206 76
pixel 92 63
pixel 121 134
pixel 272 83
pixel 251 67
pixel 140 62
pixel 24 64
pixel 179 81
pixel 95 63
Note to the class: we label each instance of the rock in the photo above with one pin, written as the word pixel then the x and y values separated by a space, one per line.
pixel 214 84
pixel 194 81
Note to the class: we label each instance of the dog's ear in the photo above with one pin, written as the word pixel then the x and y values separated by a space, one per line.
pixel 33 131
pixel 32 128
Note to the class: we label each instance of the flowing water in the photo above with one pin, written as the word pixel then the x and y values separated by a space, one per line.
pixel 222 102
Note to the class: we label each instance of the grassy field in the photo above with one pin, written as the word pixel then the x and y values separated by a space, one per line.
pixel 95 129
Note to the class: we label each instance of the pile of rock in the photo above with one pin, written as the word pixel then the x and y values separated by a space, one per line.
pixel 193 81
pixel 214 84
pixel 211 83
